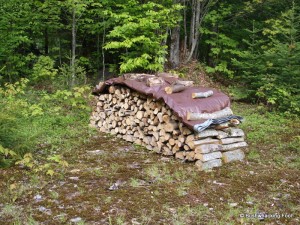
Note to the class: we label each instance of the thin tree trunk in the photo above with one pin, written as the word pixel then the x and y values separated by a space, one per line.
pixel 98 54
pixel 46 41
pixel 60 58
pixel 103 53
pixel 185 31
pixel 174 47
pixel 199 10
pixel 194 28
pixel 73 59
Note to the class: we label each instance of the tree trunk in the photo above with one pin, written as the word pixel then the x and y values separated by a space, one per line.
pixel 174 47
pixel 199 10
pixel 46 47
pixel 195 26
pixel 103 53
pixel 73 59
pixel 185 31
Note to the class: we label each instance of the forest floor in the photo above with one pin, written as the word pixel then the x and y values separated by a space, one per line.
pixel 109 181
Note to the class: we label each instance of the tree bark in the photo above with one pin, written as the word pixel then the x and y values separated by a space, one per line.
pixel 73 59
pixel 174 58
pixel 103 53
pixel 199 10
pixel 46 47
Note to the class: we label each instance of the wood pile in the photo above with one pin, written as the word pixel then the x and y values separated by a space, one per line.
pixel 145 121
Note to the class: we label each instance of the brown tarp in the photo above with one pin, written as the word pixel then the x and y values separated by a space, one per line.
pixel 180 103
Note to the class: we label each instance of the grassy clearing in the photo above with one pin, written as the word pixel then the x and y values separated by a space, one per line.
pixel 150 189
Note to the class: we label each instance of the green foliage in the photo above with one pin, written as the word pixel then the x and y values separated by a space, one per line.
pixel 49 167
pixel 140 35
pixel 64 79
pixel 43 70
pixel 222 46
pixel 30 119
pixel 270 66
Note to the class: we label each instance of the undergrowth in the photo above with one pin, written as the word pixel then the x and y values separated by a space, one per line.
pixel 40 121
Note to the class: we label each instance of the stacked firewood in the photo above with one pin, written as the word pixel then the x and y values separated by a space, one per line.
pixel 146 121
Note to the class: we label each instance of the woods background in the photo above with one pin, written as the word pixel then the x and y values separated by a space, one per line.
pixel 252 43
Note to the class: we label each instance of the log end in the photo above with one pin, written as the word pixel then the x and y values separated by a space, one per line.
pixel 168 90
pixel 188 115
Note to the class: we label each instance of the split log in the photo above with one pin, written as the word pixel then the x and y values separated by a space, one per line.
pixel 190 156
pixel 235 132
pixel 180 155
pixel 207 148
pixel 221 134
pixel 208 156
pixel 154 81
pixel 192 144
pixel 231 140
pixel 207 133
pixel 172 125
pixel 233 156
pixel 185 82
pixel 234 146
pixel 208 165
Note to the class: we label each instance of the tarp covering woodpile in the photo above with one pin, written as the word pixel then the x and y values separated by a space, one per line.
pixel 181 103
pixel 170 116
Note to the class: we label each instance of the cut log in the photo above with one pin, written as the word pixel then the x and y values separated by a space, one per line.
pixel 204 141
pixel 175 149
pixel 166 118
pixel 222 134
pixel 112 89
pixel 215 115
pixel 235 132
pixel 190 156
pixel 180 155
pixel 166 151
pixel 207 133
pixel 202 94
pixel 208 156
pixel 208 165
pixel 185 82
pixel 231 140
pixel 169 127
pixel 234 146
pixel 175 88
pixel 207 148
pixel 155 81
pixel 160 117
pixel 233 156
pixel 139 115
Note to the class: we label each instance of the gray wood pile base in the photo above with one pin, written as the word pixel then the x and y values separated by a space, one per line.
pixel 145 121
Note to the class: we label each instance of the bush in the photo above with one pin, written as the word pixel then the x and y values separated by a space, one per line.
pixel 43 70
pixel 33 120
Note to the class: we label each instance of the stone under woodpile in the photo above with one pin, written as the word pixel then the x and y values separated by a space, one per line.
pixel 149 122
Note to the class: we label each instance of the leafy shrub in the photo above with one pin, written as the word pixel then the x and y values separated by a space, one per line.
pixel 43 70
pixel 31 119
